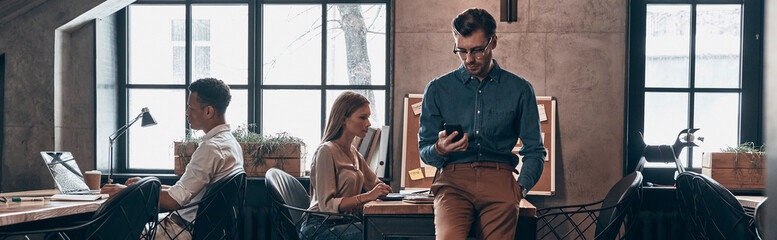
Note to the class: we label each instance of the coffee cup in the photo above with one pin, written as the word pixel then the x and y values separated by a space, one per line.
pixel 92 179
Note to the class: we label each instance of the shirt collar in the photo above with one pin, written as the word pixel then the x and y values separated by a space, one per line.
pixel 216 130
pixel 464 76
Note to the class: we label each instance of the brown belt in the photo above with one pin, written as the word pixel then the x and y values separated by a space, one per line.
pixel 494 165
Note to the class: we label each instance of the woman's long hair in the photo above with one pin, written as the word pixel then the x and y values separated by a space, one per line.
pixel 345 105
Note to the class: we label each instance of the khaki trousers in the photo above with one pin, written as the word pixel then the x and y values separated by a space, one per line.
pixel 483 195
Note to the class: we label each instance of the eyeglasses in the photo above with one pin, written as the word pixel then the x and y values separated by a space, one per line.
pixel 477 52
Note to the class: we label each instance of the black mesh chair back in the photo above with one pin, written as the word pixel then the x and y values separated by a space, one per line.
pixel 285 189
pixel 710 210
pixel 760 219
pixel 123 216
pixel 613 215
pixel 610 218
pixel 219 209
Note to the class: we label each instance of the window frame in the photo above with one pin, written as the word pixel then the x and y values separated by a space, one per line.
pixel 254 86
pixel 751 81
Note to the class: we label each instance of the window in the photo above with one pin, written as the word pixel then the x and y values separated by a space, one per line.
pixel 693 64
pixel 285 68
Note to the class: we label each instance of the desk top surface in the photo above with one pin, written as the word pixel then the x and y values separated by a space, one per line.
pixel 750 201
pixel 400 207
pixel 20 212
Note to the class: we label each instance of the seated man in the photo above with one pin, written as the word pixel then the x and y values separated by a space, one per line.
pixel 218 155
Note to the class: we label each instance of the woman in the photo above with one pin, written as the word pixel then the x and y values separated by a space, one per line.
pixel 339 174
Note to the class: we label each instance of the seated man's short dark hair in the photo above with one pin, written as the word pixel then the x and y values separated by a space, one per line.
pixel 474 19
pixel 212 92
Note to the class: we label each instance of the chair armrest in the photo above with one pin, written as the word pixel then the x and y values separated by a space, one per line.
pixel 579 206
pixel 326 214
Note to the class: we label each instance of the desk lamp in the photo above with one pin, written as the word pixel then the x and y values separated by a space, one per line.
pixel 147 121
pixel 669 153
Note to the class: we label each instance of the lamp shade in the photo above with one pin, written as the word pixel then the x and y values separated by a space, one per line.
pixel 148 120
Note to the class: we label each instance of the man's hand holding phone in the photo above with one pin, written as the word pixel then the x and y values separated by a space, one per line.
pixel 451 139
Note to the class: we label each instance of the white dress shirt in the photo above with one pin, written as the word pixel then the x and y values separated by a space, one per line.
pixel 218 155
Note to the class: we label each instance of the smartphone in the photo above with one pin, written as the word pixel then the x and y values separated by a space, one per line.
pixel 454 127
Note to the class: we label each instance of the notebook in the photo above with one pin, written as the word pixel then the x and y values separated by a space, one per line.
pixel 66 174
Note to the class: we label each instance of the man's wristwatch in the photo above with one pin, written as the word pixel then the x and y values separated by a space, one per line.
pixel 523 190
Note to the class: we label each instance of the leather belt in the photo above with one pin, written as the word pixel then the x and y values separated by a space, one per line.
pixel 494 165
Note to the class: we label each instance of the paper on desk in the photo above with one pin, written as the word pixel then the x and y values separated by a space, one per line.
pixel 416 174
pixel 416 108
pixel 68 197
pixel 541 108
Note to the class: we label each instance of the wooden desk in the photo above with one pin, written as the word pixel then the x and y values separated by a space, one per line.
pixel 750 201
pixel 21 212
pixel 400 219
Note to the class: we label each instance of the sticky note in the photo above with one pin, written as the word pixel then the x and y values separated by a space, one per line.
pixel 416 174
pixel 416 108
pixel 429 171
pixel 541 108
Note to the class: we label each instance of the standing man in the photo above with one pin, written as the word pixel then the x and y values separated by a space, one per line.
pixel 495 108
pixel 218 155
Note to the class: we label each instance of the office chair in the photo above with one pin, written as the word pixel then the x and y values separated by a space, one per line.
pixel 611 218
pixel 291 201
pixel 218 211
pixel 760 219
pixel 710 210
pixel 123 216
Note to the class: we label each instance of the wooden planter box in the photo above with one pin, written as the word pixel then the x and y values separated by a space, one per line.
pixel 748 173
pixel 287 159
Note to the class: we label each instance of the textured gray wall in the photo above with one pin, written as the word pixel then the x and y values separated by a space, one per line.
pixel 770 111
pixel 572 50
pixel 28 42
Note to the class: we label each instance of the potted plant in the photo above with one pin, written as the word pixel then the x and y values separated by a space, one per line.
pixel 260 153
pixel 740 167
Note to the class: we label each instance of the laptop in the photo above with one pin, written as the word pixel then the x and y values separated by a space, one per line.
pixel 66 174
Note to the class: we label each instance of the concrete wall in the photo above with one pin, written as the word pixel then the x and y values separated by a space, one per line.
pixel 770 111
pixel 572 50
pixel 28 42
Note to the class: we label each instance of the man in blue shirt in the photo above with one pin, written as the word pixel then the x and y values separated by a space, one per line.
pixel 495 108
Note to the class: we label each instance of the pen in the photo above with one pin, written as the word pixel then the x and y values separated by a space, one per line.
pixel 26 199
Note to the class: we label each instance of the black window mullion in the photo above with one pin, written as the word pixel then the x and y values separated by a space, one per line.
pixel 258 80
pixel 188 61
pixel 692 80
pixel 323 66
pixel 122 145
pixel 252 49
pixel 751 70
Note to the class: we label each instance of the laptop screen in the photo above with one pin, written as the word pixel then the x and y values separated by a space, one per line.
pixel 64 170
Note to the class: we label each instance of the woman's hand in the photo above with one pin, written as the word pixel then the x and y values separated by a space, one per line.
pixel 380 189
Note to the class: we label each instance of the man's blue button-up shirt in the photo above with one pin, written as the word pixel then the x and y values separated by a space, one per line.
pixel 494 113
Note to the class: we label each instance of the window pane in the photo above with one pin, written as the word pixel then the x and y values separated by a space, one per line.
pixel 356 48
pixel 152 147
pixel 297 112
pixel 667 44
pixel 291 51
pixel 717 116
pixel 665 115
pixel 156 44
pixel 220 42
pixel 237 112
pixel 718 34
pixel 377 104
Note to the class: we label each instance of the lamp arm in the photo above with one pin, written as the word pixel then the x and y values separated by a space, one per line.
pixel 112 138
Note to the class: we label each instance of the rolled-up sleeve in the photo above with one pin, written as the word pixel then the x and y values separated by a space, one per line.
pixel 430 125
pixel 325 185
pixel 533 151
pixel 197 175
pixel 370 179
